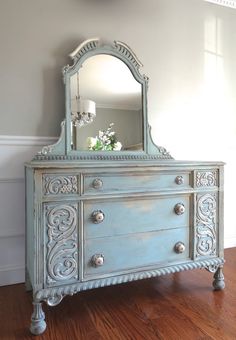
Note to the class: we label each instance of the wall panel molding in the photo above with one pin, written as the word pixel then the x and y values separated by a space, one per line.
pixel 14 151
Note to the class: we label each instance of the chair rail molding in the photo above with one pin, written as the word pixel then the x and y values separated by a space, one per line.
pixel 226 3
pixel 26 140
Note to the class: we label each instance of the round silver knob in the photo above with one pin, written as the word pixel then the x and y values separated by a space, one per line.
pixel 98 216
pixel 179 208
pixel 179 180
pixel 97 260
pixel 97 183
pixel 179 247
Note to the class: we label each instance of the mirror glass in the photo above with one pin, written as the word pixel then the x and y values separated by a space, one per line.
pixel 106 106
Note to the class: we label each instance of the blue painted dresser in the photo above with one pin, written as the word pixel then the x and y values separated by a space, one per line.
pixel 99 218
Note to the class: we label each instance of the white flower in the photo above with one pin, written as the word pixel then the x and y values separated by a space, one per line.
pixel 117 146
pixel 91 142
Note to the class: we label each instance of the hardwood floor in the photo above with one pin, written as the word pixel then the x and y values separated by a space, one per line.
pixel 180 306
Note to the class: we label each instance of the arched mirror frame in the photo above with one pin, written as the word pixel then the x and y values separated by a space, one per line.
pixel 63 149
pixel 121 51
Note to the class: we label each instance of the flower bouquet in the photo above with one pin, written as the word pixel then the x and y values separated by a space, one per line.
pixel 105 141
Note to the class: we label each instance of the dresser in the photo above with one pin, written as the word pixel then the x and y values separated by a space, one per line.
pixel 98 218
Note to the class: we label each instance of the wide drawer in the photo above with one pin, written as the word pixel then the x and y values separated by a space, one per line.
pixel 123 253
pixel 131 215
pixel 134 181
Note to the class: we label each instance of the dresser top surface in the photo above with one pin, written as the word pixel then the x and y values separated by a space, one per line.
pixel 160 164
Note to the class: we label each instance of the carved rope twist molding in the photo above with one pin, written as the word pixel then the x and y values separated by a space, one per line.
pixel 164 155
pixel 55 294
pixel 62 248
pixel 206 178
pixel 206 225
pixel 53 185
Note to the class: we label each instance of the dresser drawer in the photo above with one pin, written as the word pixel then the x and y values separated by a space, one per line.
pixel 60 184
pixel 139 250
pixel 134 181
pixel 131 215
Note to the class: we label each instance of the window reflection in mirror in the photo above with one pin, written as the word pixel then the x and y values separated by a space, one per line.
pixel 106 106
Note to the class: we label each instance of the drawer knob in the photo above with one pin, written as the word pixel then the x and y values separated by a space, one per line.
pixel 97 183
pixel 98 216
pixel 179 180
pixel 179 208
pixel 180 247
pixel 97 260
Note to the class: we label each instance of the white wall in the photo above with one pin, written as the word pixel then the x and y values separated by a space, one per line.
pixel 188 50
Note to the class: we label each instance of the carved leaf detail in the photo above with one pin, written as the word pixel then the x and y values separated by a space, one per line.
pixel 62 247
pixel 206 225
pixel 53 185
pixel 206 178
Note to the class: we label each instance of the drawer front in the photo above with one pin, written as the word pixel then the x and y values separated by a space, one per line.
pixel 60 184
pixel 129 215
pixel 141 250
pixel 134 181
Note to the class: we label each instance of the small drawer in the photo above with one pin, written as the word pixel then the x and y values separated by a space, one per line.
pixel 112 255
pixel 60 184
pixel 134 181
pixel 131 215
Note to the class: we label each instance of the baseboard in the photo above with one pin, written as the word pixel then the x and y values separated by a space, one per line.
pixel 11 275
pixel 230 242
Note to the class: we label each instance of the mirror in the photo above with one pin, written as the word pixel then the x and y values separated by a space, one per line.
pixel 106 106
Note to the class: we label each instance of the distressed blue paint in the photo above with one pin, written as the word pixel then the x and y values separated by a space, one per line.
pixel 135 181
pixel 128 215
pixel 135 251
pixel 138 195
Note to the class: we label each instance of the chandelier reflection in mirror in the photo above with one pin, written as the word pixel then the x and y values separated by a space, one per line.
pixel 86 112
pixel 83 111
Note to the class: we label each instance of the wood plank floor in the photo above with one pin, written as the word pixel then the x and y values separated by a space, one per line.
pixel 180 306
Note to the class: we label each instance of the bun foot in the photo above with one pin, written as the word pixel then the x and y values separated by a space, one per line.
pixel 219 282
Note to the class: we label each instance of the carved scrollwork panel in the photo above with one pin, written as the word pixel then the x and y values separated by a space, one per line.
pixel 62 184
pixel 62 245
pixel 206 225
pixel 206 178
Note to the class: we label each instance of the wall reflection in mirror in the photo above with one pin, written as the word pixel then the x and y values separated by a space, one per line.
pixel 106 106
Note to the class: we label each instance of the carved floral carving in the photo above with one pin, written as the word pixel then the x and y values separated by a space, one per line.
pixel 62 248
pixel 206 225
pixel 206 178
pixel 53 185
